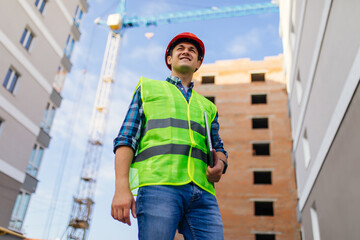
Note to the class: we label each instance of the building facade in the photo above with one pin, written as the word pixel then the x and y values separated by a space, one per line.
pixel 257 196
pixel 36 42
pixel 321 42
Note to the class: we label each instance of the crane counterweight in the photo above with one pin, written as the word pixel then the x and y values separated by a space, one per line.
pixel 114 21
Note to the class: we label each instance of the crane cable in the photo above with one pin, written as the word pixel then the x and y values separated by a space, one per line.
pixel 73 118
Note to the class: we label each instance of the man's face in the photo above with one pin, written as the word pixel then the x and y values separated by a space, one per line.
pixel 184 58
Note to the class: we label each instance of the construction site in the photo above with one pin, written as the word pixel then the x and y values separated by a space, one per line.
pixel 284 76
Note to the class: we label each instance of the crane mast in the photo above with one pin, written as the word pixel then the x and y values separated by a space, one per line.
pixel 83 201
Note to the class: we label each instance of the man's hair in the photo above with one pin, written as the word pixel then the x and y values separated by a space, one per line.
pixel 189 40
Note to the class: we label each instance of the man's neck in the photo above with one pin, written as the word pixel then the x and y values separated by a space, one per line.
pixel 185 78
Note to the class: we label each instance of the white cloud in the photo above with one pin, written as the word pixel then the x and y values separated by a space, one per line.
pixel 78 53
pixel 241 45
pixel 238 49
pixel 75 111
pixel 152 53
pixel 107 172
pixel 124 41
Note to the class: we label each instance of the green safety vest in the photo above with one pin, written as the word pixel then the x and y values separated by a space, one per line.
pixel 172 150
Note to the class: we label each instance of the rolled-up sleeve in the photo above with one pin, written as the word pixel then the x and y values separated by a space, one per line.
pixel 217 142
pixel 130 131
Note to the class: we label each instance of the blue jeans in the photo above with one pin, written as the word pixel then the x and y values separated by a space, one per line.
pixel 162 209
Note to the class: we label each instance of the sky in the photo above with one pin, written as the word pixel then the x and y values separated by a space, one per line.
pixel 254 37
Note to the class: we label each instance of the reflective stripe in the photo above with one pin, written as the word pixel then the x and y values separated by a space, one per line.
pixel 197 153
pixel 197 128
pixel 170 149
pixel 173 122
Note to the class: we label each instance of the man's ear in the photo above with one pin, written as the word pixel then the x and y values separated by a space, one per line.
pixel 198 64
pixel 169 59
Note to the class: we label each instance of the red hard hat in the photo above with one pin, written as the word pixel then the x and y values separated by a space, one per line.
pixel 186 37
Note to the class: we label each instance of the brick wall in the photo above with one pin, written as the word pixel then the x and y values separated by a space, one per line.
pixel 237 192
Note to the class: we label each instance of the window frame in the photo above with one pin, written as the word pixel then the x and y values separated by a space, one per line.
pixel 48 117
pixel 211 98
pixel 59 78
pixel 262 171
pixel 256 211
pixel 254 119
pixel 24 39
pixel 207 82
pixel 298 87
pixel 2 122
pixel 261 143
pixel 36 156
pixel 258 235
pixel 9 83
pixel 69 46
pixel 41 7
pixel 258 94
pixel 254 77
pixel 19 211
pixel 78 15
pixel 306 149
pixel 315 223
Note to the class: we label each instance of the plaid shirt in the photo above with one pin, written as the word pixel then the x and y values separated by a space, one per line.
pixel 130 131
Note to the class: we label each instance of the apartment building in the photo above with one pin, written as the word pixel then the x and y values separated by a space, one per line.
pixel 257 195
pixel 36 42
pixel 321 42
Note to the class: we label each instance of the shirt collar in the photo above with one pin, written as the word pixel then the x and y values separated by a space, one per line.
pixel 176 81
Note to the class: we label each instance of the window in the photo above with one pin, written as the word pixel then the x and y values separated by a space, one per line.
pixel 302 233
pixel 78 16
pixel 306 149
pixel 264 236
pixel 208 79
pixel 258 99
pixel 69 46
pixel 298 87
pixel 11 80
pixel 262 177
pixel 292 24
pixel 212 99
pixel 20 207
pixel 260 123
pixel 264 208
pixel 40 5
pixel 261 149
pixel 26 38
pixel 1 125
pixel 35 159
pixel 258 77
pixel 315 224
pixel 48 118
pixel 59 79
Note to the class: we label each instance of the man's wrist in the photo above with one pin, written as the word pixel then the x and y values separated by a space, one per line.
pixel 122 183
pixel 225 165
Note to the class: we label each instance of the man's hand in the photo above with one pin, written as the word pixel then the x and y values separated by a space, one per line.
pixel 214 174
pixel 121 205
pixel 123 200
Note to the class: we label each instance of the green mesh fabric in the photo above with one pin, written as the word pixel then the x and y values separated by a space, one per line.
pixel 170 151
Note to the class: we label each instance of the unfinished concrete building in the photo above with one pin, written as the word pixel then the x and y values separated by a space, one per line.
pixel 257 196
pixel 36 42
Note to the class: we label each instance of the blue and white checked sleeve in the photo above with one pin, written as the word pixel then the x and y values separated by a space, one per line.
pixel 130 131
pixel 217 142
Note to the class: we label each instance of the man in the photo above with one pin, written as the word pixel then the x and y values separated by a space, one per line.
pixel 161 151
